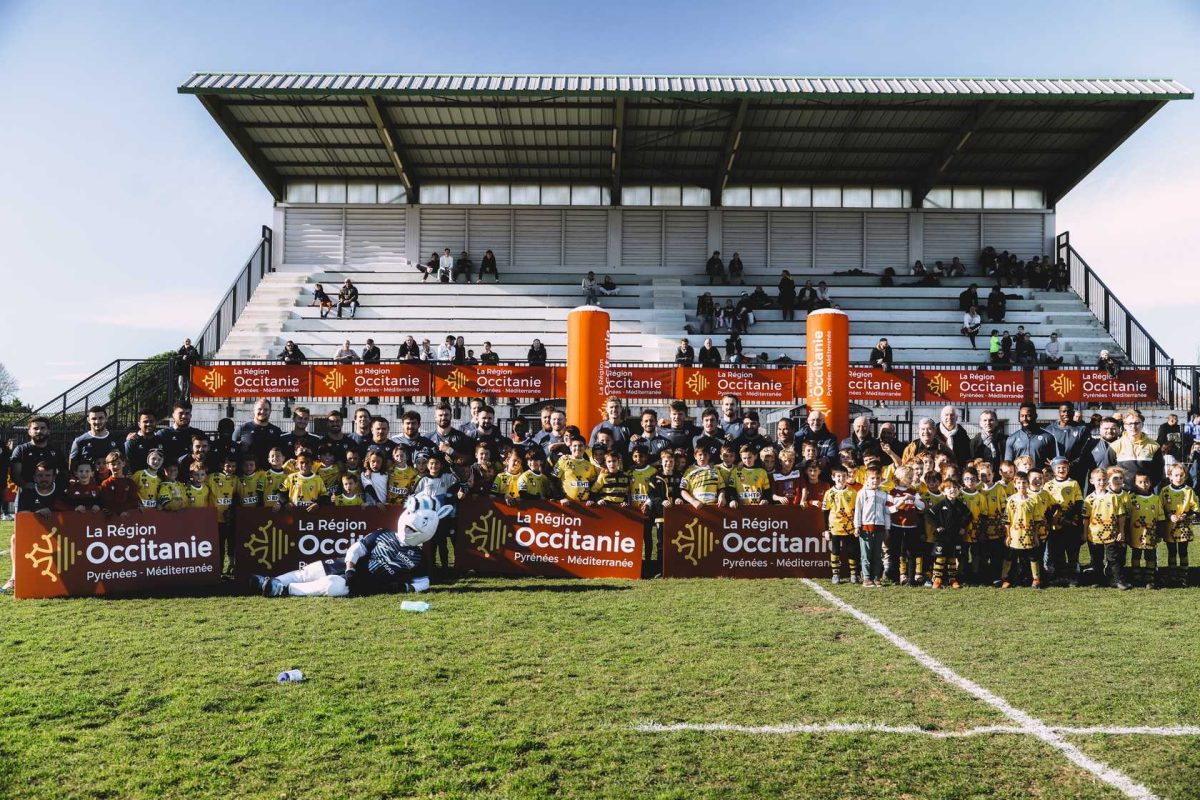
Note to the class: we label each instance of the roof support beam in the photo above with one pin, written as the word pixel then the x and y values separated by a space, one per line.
pixel 618 146
pixel 1091 159
pixel 389 142
pixel 733 139
pixel 937 167
pixel 245 145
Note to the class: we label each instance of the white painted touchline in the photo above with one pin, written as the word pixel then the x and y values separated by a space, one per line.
pixel 1028 723
pixel 868 727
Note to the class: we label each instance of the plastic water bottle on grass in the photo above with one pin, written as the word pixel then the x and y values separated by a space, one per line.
pixel 290 676
pixel 419 606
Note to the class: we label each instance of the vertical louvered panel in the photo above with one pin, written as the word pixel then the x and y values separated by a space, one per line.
pixel 887 241
pixel 791 240
pixel 586 237
pixel 442 228
pixel 313 236
pixel 375 237
pixel 491 229
pixel 745 233
pixel 686 240
pixel 537 238
pixel 1020 234
pixel 839 240
pixel 641 238
pixel 950 235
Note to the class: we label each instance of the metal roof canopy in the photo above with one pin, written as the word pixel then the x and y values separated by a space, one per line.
pixel 709 131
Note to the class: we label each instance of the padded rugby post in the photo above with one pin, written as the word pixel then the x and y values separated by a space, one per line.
pixel 828 357
pixel 587 366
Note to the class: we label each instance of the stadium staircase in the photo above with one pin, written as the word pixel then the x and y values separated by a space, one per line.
pixel 648 315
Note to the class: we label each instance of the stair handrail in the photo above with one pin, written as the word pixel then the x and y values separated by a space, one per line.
pixel 234 302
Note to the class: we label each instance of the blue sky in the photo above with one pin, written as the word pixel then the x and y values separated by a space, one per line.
pixel 125 212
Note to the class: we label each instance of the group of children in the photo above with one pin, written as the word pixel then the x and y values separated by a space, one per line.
pixel 929 523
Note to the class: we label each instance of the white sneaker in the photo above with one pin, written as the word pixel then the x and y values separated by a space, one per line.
pixel 836 579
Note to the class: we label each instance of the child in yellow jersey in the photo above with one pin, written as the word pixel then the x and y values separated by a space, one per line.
pixel 329 467
pixel 272 480
pixel 704 484
pixel 506 485
pixel 147 481
pixel 991 526
pixel 1180 510
pixel 1145 528
pixel 930 489
pixel 1004 484
pixel 170 490
pixel 577 473
pixel 249 484
pixel 641 477
pixel 1106 517
pixel 304 488
pixel 873 458
pixel 351 492
pixel 973 539
pixel 838 505
pixel 612 487
pixel 1037 489
pixel 534 483
pixel 729 460
pixel 196 492
pixel 402 479
pixel 1020 513
pixel 750 483
pixel 222 488
pixel 1064 523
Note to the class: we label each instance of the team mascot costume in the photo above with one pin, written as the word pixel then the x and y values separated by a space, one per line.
pixel 383 561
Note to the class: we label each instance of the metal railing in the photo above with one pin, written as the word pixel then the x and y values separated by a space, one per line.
pixel 238 295
pixel 1139 346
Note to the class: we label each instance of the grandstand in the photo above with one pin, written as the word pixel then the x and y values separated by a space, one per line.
pixel 641 178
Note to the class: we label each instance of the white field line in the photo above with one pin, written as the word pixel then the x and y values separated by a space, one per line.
pixel 867 727
pixel 1027 722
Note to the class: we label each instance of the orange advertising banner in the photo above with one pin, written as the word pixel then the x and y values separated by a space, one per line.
pixel 78 554
pixel 537 537
pixel 454 380
pixel 1097 386
pixel 974 386
pixel 647 382
pixel 758 385
pixel 370 380
pixel 251 380
pixel 871 385
pixel 746 542
pixel 267 542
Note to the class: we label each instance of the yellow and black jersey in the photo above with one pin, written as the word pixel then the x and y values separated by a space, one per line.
pixel 534 484
pixel 343 499
pixel 507 484
pixel 577 475
pixel 706 484
pixel 250 490
pixel 887 477
pixel 197 496
pixel 977 503
pixel 330 473
pixel 1145 517
pixel 401 483
pixel 640 480
pixel 304 490
pixel 222 488
pixel 612 488
pixel 146 482
pixel 272 487
pixel 1020 515
pixel 751 485
pixel 1182 503
pixel 839 504
pixel 1105 514
pixel 171 496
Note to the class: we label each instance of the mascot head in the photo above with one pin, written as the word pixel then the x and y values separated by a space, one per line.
pixel 419 521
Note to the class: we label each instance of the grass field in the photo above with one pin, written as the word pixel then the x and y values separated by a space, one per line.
pixel 534 688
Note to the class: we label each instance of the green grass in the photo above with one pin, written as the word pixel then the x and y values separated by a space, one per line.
pixel 531 688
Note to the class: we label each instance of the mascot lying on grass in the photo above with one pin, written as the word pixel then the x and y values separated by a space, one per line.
pixel 380 562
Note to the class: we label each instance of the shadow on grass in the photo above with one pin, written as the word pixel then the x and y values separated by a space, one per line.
pixel 575 587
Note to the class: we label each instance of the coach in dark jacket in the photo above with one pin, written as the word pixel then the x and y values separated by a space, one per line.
pixel 989 443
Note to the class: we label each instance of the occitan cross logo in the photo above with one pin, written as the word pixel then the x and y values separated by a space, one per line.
pixel 1062 385
pixel 268 544
pixel 695 541
pixel 697 382
pixel 53 556
pixel 939 384
pixel 488 533
pixel 213 380
pixel 457 380
pixel 334 379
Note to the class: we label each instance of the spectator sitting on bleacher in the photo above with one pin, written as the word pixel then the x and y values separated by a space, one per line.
pixel 1107 363
pixel 881 355
pixel 370 353
pixel 588 284
pixel 426 352
pixel 995 354
pixel 743 313
pixel 321 298
pixel 488 265
pixel 445 351
pixel 787 296
pixel 706 312
pixel 1006 348
pixel 733 347
pixel 537 354
pixel 470 359
pixel 808 296
pixel 462 266
pixel 348 296
pixel 409 351
pixel 968 298
pixel 997 304
pixel 1052 356
pixel 291 354
pixel 460 350
pixel 608 286
pixel 446 266
pixel 1026 352
pixel 715 268
pixel 736 270
pixel 346 355
pixel 685 354
pixel 489 356
pixel 1062 276
pixel 918 268
pixel 430 267
pixel 709 355
pixel 987 261
pixel 957 269
pixel 824 299
pixel 970 325
pixel 726 314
